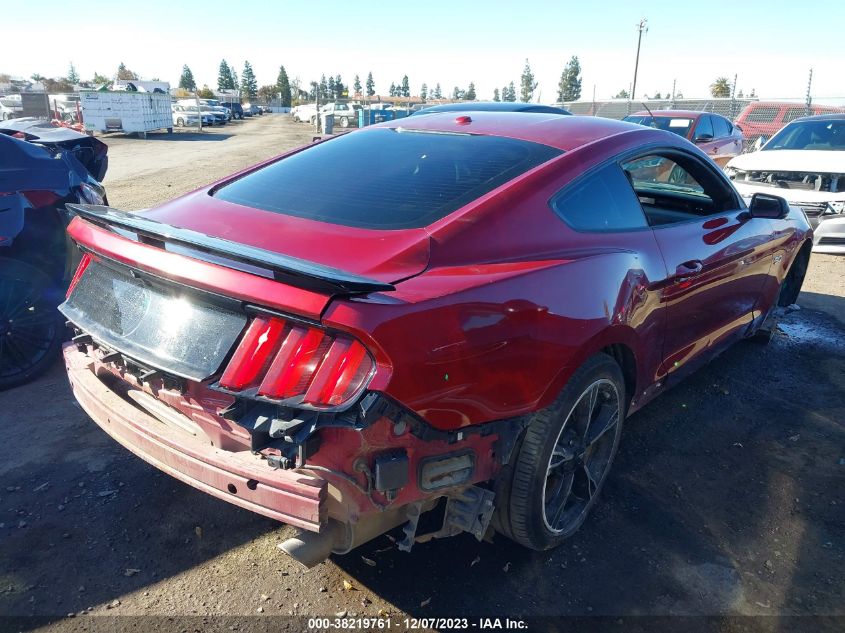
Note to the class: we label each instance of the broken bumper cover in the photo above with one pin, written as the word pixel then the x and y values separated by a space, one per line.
pixel 240 478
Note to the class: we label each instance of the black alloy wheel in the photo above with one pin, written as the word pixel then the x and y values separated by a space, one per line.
pixel 31 328
pixel 560 463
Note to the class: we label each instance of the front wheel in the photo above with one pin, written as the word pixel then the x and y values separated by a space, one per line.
pixel 558 470
pixel 31 328
pixel 344 121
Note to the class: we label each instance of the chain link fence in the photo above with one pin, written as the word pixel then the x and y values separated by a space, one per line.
pixel 758 119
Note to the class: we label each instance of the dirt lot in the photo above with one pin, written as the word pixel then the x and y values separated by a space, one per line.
pixel 726 498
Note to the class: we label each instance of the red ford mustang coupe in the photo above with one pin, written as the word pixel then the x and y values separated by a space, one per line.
pixel 450 313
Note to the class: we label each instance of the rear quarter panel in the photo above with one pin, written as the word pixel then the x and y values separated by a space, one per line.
pixel 512 303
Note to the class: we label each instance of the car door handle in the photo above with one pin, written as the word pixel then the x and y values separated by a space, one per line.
pixel 687 270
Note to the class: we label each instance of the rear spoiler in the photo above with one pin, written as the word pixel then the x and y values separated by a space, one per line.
pixel 297 272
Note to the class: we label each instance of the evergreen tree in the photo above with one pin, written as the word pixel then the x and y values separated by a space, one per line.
pixel 437 94
pixel 324 88
pixel 283 87
pixel 527 85
pixel 356 85
pixel 339 88
pixel 392 92
pixel 332 89
pixel 569 87
pixel 511 93
pixel 72 75
pixel 235 82
pixel 423 92
pixel 496 94
pixel 249 85
pixel 470 93
pixel 224 77
pixel 186 81
pixel 406 87
pixel 457 94
pixel 371 85
pixel 622 94
pixel 124 73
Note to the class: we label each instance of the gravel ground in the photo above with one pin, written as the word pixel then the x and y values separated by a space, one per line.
pixel 725 499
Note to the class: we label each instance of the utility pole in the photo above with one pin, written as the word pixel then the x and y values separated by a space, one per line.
pixel 733 98
pixel 640 27
pixel 809 98
pixel 674 81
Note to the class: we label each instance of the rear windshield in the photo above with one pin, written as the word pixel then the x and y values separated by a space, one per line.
pixel 386 178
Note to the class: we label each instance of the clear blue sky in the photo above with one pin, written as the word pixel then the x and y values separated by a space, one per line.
pixel 770 45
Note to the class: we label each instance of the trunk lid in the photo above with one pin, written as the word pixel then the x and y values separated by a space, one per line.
pixel 383 255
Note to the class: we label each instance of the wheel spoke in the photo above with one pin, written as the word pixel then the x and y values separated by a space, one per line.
pixel 582 414
pixel 592 485
pixel 584 485
pixel 560 456
pixel 563 494
pixel 601 425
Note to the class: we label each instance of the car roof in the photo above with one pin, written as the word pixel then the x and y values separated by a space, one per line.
pixel 562 132
pixel 690 114
pixel 834 116
pixel 492 106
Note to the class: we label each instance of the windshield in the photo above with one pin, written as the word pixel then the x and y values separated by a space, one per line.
pixel 386 178
pixel 678 125
pixel 824 134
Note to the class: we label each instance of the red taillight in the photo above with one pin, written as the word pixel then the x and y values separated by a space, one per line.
pixel 83 264
pixel 253 354
pixel 289 360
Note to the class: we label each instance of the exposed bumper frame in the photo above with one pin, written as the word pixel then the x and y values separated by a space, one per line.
pixel 240 478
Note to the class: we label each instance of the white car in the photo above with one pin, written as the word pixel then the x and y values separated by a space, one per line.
pixel 187 115
pixel 305 112
pixel 805 164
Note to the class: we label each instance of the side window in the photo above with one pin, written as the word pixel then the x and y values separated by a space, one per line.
pixel 793 113
pixel 721 127
pixel 704 129
pixel 601 201
pixel 676 189
pixel 763 114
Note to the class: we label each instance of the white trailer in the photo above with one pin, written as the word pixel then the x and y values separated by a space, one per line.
pixel 120 111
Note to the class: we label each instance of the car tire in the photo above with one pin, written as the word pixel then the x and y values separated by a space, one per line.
pixel 788 293
pixel 560 464
pixel 32 328
pixel 344 121
pixel 180 122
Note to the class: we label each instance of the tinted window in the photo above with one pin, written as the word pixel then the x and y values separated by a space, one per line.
pixel 794 113
pixel 762 114
pixel 704 127
pixel 602 201
pixel 721 127
pixel 678 125
pixel 386 178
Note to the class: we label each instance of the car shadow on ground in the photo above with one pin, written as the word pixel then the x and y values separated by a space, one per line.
pixel 725 499
pixel 93 522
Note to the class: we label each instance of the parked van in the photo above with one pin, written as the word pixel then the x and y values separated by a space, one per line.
pixel 764 118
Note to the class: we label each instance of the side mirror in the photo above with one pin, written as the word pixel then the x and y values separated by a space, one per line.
pixel 764 205
pixel 703 138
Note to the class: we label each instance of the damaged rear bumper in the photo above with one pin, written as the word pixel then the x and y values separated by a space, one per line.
pixel 241 478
